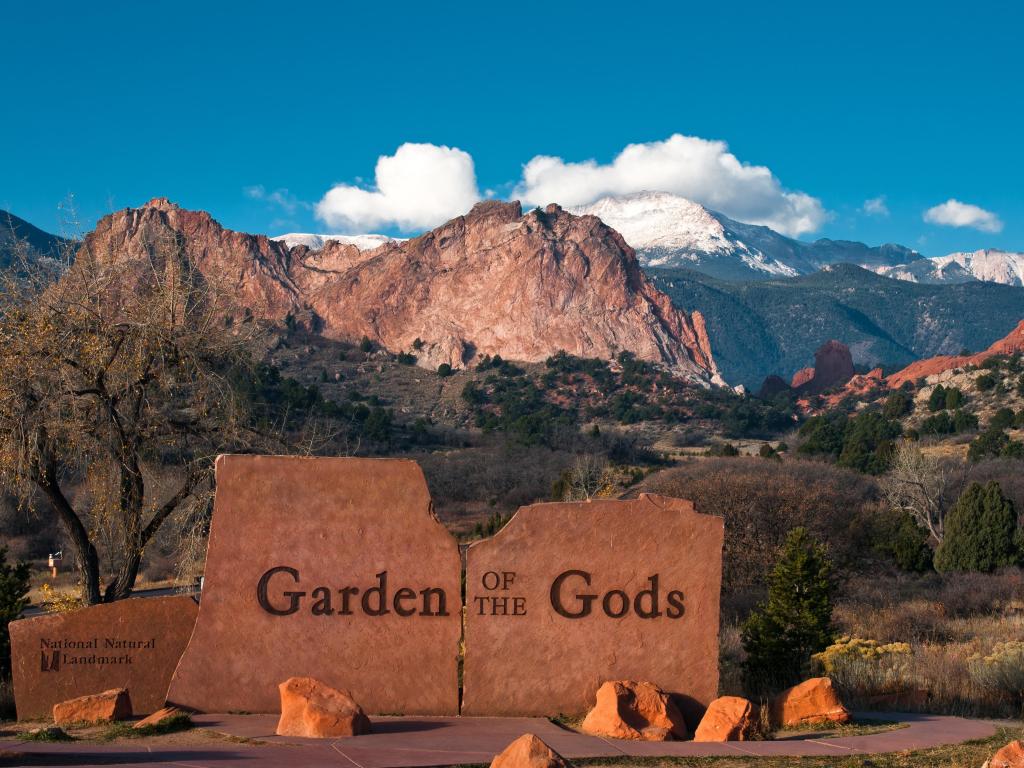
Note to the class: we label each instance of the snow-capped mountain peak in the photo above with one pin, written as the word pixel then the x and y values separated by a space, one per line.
pixel 317 242
pixel 667 231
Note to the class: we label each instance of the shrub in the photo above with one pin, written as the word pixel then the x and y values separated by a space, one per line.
pixel 986 382
pixel 406 358
pixel 13 599
pixel 796 620
pixel 954 398
pixel 365 345
pixel 766 451
pixel 908 546
pixel 1001 419
pixel 1001 671
pixel 981 532
pixel 865 668
pixel 726 450
pixel 937 399
pixel 444 370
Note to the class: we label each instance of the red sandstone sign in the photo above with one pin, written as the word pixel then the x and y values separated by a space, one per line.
pixel 329 568
pixel 133 644
pixel 569 595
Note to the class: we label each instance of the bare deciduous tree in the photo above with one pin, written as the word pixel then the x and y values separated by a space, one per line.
pixel 117 390
pixel 917 484
pixel 586 478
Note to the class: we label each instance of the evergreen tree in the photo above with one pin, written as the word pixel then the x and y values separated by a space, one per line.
pixel 937 399
pixel 909 546
pixel 981 532
pixel 13 599
pixel 796 620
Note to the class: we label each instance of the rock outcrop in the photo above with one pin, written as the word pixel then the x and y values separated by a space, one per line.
pixel 494 281
pixel 313 710
pixel 812 701
pixel 728 718
pixel 634 710
pixel 1010 756
pixel 932 366
pixel 833 367
pixel 528 751
pixel 104 707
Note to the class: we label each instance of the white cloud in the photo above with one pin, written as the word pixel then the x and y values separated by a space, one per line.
pixel 875 206
pixel 953 213
pixel 280 197
pixel 418 187
pixel 699 169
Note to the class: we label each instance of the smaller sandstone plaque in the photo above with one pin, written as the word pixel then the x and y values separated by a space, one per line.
pixel 570 595
pixel 133 644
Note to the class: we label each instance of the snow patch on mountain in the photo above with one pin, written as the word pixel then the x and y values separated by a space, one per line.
pixel 317 242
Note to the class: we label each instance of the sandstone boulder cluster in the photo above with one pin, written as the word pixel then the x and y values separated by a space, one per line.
pixel 640 710
pixel 495 281
pixel 634 710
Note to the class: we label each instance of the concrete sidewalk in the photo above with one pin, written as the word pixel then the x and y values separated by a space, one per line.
pixel 411 742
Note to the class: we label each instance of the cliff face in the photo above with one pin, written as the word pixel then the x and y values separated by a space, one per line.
pixel 494 281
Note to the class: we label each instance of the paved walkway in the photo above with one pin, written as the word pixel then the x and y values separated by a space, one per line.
pixel 411 742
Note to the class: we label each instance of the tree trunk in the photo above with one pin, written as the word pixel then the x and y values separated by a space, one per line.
pixel 86 558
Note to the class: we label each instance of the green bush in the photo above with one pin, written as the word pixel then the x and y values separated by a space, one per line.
pixel 906 543
pixel 937 399
pixel 868 443
pixel 782 634
pixel 1002 419
pixel 13 599
pixel 994 443
pixel 981 532
pixel 898 405
pixel 444 369
pixel 954 398
pixel 365 345
pixel 986 382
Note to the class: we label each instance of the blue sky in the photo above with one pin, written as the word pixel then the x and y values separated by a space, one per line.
pixel 254 111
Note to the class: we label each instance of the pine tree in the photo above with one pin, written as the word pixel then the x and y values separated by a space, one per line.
pixel 796 620
pixel 13 599
pixel 981 532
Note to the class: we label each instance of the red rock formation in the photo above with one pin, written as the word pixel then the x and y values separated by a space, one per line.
pixel 833 367
pixel 494 281
pixel 1008 345
pixel 802 377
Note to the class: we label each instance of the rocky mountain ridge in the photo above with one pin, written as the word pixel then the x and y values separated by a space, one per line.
pixel 987 265
pixel 494 281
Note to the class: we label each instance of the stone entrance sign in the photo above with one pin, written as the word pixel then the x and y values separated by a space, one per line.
pixel 133 644
pixel 569 595
pixel 328 568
